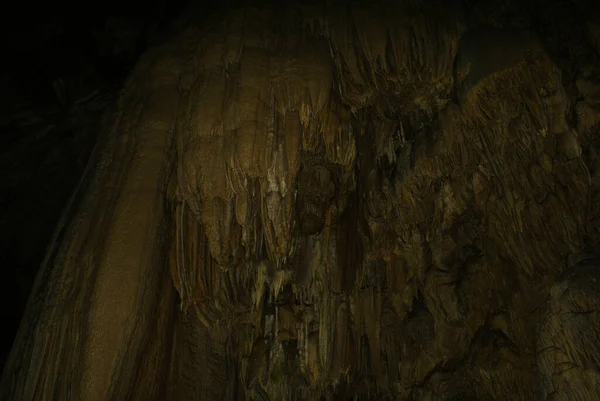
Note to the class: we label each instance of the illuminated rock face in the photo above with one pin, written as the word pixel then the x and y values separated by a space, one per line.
pixel 375 202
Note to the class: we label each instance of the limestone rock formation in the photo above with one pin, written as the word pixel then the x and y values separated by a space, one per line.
pixel 383 201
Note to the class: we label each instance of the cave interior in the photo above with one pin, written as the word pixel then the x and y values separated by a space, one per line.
pixel 300 200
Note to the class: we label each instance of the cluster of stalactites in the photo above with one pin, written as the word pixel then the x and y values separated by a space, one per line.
pixel 263 92
pixel 402 50
pixel 253 113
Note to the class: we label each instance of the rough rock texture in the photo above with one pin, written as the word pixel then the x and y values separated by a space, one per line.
pixel 384 201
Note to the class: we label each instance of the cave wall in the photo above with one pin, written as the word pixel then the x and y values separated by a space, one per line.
pixel 383 201
pixel 63 67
